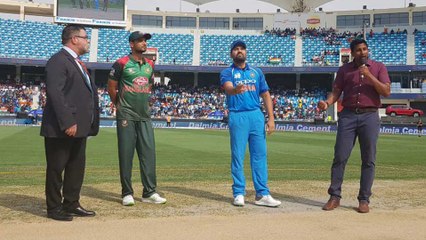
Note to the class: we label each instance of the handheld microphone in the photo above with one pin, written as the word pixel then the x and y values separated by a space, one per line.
pixel 363 62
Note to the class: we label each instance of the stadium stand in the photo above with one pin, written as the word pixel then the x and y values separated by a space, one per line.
pixel 172 48
pixel 420 47
pixel 395 87
pixel 322 46
pixel 263 49
pixel 390 49
pixel 31 40
pixel 174 100
pixel 20 98
pixel 297 104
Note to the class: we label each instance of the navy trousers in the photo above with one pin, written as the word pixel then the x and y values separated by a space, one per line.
pixel 366 127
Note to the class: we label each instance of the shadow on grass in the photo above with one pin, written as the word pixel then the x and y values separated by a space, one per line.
pixel 92 192
pixel 23 203
pixel 197 193
pixel 298 200
pixel 302 200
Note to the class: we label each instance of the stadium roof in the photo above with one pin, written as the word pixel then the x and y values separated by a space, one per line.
pixel 289 5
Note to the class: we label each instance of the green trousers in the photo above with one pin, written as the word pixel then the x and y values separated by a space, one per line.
pixel 139 135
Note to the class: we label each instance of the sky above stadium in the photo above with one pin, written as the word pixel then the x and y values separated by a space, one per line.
pixel 250 6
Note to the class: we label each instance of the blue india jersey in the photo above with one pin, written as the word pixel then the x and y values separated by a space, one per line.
pixel 255 82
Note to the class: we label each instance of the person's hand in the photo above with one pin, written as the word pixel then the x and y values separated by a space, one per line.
pixel 270 126
pixel 240 88
pixel 323 105
pixel 71 131
pixel 363 71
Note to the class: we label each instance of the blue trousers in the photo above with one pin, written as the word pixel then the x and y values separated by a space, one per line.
pixel 248 127
pixel 366 127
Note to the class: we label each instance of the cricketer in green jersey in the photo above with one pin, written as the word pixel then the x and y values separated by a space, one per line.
pixel 129 86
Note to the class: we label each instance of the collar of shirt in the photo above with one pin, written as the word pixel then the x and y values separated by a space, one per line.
pixel 70 51
pixel 133 59
pixel 236 67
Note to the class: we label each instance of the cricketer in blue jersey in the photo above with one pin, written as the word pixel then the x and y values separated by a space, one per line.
pixel 244 85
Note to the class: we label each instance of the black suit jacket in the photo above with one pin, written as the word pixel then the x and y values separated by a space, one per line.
pixel 69 99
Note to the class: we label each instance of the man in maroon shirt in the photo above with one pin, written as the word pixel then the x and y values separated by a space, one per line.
pixel 362 82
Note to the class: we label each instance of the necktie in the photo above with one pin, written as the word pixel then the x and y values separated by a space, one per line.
pixel 83 66
pixel 85 72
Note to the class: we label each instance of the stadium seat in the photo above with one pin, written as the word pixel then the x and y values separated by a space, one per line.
pixel 391 49
pixel 215 49
pixel 172 48
pixel 420 47
pixel 21 41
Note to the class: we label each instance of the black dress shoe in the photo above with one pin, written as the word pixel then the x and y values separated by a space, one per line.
pixel 59 215
pixel 81 212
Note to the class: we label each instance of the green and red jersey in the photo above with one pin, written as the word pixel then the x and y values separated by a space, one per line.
pixel 135 80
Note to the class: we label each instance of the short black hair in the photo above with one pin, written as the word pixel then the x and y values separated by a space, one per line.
pixel 69 31
pixel 357 41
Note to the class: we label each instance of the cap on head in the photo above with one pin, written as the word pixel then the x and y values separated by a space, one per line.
pixel 137 35
pixel 237 43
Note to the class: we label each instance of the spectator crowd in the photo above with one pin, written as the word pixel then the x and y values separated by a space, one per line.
pixel 173 100
pixel 15 98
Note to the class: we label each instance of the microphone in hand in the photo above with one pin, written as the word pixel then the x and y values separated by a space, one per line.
pixel 363 62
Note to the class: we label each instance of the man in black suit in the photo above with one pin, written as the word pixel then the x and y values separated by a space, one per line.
pixel 71 115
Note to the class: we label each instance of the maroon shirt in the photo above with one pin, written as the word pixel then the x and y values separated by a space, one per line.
pixel 358 92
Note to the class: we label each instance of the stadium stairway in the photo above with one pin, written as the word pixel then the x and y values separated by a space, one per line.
pixel 298 52
pixel 196 49
pixel 94 45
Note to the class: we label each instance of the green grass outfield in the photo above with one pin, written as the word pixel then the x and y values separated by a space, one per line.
pixel 204 155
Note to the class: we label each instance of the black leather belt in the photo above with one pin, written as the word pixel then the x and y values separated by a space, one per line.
pixel 362 110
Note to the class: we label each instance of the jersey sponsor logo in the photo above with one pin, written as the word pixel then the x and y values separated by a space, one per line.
pixel 237 75
pixel 137 89
pixel 249 84
pixel 245 81
pixel 140 81
pixel 140 85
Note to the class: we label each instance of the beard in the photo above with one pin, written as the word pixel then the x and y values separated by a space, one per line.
pixel 139 51
pixel 83 50
pixel 239 59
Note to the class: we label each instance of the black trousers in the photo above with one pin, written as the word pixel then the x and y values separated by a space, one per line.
pixel 65 157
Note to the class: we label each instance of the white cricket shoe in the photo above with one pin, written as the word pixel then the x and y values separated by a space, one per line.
pixel 154 198
pixel 239 201
pixel 128 200
pixel 267 201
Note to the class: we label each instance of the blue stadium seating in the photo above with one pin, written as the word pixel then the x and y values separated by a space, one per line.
pixel 420 48
pixel 39 40
pixel 260 49
pixel 172 48
pixel 31 40
pixel 314 47
pixel 390 49
pixel 395 87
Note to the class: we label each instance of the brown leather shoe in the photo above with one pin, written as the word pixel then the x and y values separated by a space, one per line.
pixel 363 207
pixel 332 203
